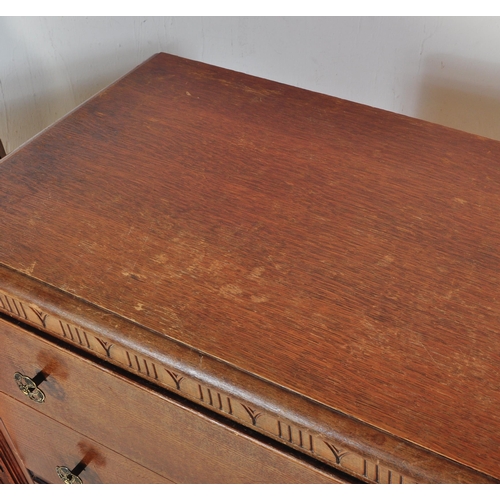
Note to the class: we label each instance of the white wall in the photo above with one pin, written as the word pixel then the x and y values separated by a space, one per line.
pixel 445 70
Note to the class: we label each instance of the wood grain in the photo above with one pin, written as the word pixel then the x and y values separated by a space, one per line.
pixel 344 253
pixel 12 469
pixel 45 444
pixel 159 433
pixel 372 454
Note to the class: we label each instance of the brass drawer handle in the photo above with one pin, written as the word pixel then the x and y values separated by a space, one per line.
pixel 67 476
pixel 29 386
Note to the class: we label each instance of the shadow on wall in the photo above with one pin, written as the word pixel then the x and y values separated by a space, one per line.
pixel 52 98
pixel 28 116
pixel 462 94
pixel 40 84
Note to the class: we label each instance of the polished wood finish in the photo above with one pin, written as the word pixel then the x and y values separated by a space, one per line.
pixel 330 266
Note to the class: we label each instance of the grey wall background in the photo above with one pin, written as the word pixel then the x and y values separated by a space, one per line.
pixel 445 70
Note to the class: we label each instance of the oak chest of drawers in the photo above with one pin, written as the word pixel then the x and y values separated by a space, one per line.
pixel 210 277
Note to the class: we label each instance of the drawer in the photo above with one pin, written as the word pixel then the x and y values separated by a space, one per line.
pixel 173 439
pixel 43 444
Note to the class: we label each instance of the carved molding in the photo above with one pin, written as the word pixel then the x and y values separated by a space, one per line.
pixel 171 378
pixel 12 470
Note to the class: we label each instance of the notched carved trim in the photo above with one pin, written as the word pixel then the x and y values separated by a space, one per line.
pixel 176 378
pixel 254 415
pixel 338 453
pixel 13 306
pixel 73 333
pixel 105 345
pixel 41 316
pixel 287 432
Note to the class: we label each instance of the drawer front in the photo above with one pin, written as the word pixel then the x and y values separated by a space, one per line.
pixel 174 440
pixel 44 444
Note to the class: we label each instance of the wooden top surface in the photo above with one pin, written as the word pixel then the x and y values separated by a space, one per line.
pixel 343 252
